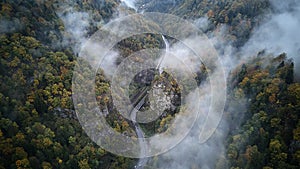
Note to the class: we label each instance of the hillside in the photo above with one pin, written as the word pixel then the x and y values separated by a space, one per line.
pixel 40 44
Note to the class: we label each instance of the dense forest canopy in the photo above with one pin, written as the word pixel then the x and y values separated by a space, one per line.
pixel 39 45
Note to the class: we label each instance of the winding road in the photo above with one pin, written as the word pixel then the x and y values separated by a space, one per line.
pixel 138 102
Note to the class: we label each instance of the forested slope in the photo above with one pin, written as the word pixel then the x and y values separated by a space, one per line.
pixel 269 134
pixel 39 128
pixel 38 124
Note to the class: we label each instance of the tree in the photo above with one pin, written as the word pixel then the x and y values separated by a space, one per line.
pixel 277 156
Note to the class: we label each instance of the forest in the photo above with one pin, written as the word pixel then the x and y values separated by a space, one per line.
pixel 39 127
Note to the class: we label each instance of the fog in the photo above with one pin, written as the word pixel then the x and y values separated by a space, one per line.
pixel 279 33
pixel 130 3
pixel 76 28
pixel 10 26
pixel 201 149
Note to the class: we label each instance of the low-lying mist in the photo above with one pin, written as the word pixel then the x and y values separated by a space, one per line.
pixel 278 33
